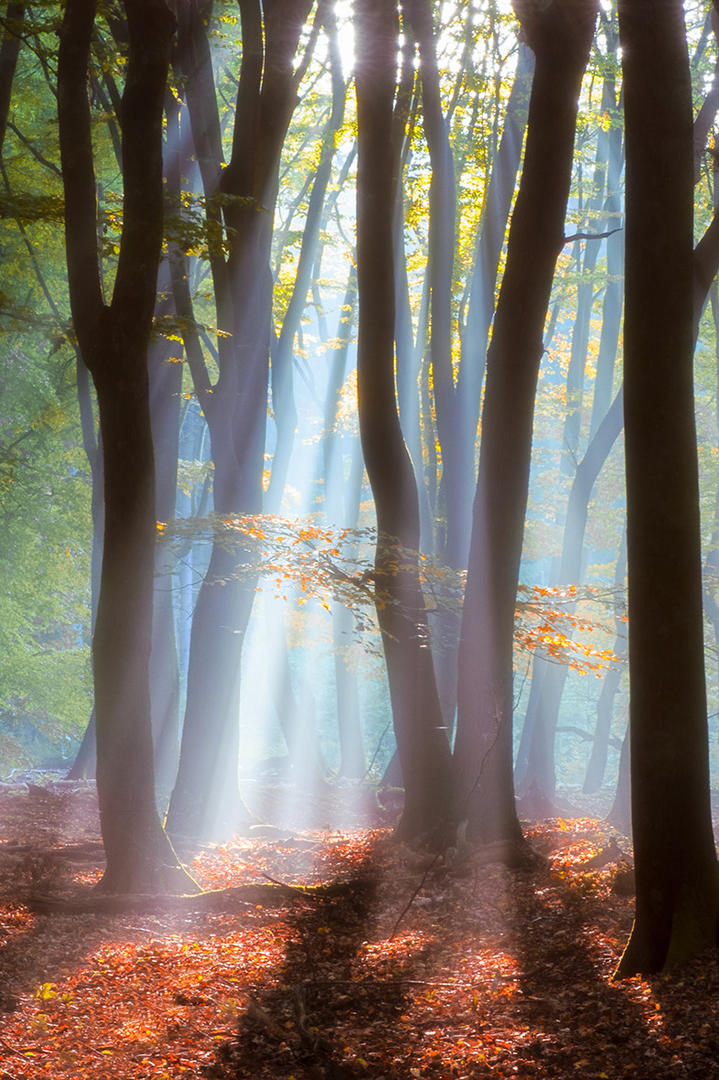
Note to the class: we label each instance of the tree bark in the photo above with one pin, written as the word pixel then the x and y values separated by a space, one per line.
pixel 206 800
pixel 114 341
pixel 560 35
pixel 483 284
pixel 675 862
pixel 9 51
pixel 421 739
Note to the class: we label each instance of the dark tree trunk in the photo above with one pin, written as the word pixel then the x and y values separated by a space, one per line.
pixel 675 862
pixel 711 561
pixel 560 35
pixel 421 739
pixel 13 24
pixel 113 342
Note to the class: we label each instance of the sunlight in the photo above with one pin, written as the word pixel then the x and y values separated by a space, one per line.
pixel 277 445
pixel 344 10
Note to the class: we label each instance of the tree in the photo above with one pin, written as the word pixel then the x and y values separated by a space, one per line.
pixel 240 201
pixel 677 879
pixel 419 729
pixel 113 341
pixel 560 34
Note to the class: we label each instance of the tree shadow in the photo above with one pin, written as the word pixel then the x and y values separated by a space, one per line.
pixel 580 1023
pixel 299 1025
pixel 689 1032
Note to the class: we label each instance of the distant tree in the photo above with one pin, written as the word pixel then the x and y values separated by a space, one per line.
pixel 540 772
pixel 597 760
pixel 560 35
pixel 422 742
pixel 677 879
pixel 240 200
pixel 482 284
pixel 114 341
pixel 282 380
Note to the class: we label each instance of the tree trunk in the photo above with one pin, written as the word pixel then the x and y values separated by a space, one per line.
pixel 675 862
pixel 560 35
pixel 421 739
pixel 165 397
pixel 113 341
pixel 206 797
pixel 586 267
pixel 594 776
pixel 13 24
pixel 614 289
pixel 85 763
pixel 483 284
pixel 620 815
pixel 283 396
pixel 710 576
pixel 541 763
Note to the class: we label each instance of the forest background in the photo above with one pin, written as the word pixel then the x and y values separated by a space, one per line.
pixel 47 532
pixel 314 687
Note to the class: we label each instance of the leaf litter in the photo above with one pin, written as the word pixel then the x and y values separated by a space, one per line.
pixel 488 972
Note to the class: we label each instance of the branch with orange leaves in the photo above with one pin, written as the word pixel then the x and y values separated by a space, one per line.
pixel 305 561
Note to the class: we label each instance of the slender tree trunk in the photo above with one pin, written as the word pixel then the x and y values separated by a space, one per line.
pixel 581 323
pixel 206 799
pixel 165 397
pixel 407 374
pixel 13 24
pixel 594 776
pixel 283 397
pixel 541 763
pixel 560 35
pixel 620 815
pixel 421 738
pixel 710 576
pixel 442 214
pixel 483 284
pixel 85 763
pixel 342 489
pixel 352 756
pixel 675 862
pixel 614 288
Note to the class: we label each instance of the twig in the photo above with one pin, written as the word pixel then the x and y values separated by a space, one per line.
pixel 415 894
pixel 11 1049
pixel 590 235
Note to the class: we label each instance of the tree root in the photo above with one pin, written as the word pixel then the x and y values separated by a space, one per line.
pixel 235 898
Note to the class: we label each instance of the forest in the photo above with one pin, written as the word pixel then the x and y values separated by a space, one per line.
pixel 359 539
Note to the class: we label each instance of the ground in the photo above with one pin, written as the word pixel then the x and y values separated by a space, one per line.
pixel 407 965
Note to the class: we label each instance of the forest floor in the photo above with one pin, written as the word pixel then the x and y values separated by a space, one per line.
pixel 414 968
